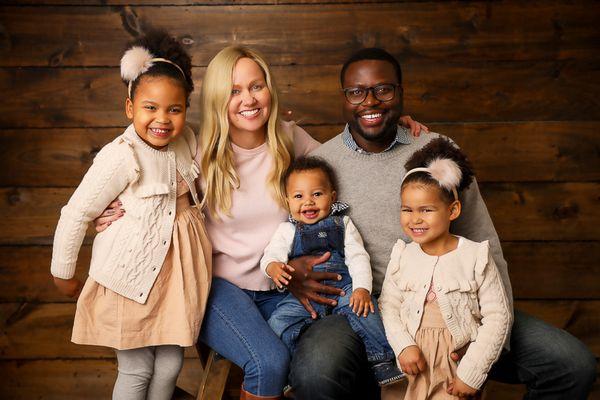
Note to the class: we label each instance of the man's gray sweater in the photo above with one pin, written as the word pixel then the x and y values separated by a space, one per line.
pixel 370 184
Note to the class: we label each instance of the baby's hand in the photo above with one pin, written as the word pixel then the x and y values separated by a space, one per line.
pixel 412 361
pixel 279 273
pixel 461 389
pixel 69 287
pixel 361 303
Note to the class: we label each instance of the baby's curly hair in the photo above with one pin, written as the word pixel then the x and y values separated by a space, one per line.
pixel 309 164
pixel 439 148
pixel 162 45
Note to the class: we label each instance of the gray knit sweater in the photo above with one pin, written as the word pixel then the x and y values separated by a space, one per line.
pixel 370 183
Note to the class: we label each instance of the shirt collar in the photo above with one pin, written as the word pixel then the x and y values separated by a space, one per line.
pixel 401 138
pixel 337 208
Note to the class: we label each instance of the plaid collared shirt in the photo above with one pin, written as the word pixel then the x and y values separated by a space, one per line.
pixel 401 138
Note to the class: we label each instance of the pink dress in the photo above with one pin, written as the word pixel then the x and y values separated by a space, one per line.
pixel 175 307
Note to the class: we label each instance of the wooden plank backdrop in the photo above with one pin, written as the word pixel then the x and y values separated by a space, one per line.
pixel 514 83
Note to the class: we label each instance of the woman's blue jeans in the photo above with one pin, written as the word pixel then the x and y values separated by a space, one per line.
pixel 235 327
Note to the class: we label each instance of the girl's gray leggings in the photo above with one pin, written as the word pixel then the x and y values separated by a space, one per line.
pixel 148 373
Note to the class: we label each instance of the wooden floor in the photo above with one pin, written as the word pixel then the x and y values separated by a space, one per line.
pixel 514 83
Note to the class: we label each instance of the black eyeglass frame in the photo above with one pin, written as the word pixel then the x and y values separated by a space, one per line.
pixel 372 90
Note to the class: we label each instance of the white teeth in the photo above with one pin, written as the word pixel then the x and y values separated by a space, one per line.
pixel 157 130
pixel 371 116
pixel 249 113
pixel 419 230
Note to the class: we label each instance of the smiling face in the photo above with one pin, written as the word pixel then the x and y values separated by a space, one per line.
pixel 157 110
pixel 250 103
pixel 424 216
pixel 373 122
pixel 309 195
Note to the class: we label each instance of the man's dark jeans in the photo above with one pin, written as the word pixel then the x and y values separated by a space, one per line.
pixel 330 362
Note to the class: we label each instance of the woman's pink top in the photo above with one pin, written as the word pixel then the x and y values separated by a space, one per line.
pixel 239 241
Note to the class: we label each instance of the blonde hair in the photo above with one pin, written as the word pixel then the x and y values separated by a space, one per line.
pixel 218 169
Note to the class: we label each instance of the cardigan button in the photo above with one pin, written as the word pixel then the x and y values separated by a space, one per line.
pixel 141 294
pixel 164 242
pixel 449 316
pixel 418 311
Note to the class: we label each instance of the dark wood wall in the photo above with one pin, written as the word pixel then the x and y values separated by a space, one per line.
pixel 516 84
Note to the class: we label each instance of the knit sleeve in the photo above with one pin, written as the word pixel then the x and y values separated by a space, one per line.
pixel 496 322
pixel 390 304
pixel 112 170
pixel 476 224
pixel 357 258
pixel 279 247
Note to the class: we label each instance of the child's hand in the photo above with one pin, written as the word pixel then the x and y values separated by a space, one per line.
pixel 412 361
pixel 69 287
pixel 461 389
pixel 280 273
pixel 112 213
pixel 361 303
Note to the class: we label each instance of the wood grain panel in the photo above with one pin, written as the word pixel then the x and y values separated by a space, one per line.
pixel 442 92
pixel 500 152
pixel 43 331
pixel 73 379
pixel 538 270
pixel 321 34
pixel 521 211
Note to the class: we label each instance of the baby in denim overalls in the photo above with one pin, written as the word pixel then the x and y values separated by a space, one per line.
pixel 317 226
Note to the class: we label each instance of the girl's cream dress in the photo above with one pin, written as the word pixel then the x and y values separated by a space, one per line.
pixel 175 307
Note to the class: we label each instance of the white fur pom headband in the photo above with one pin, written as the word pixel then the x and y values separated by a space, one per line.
pixel 138 60
pixel 445 171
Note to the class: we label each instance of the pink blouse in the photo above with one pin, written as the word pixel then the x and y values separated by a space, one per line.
pixel 239 241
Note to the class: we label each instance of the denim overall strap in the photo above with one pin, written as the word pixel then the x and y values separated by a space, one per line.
pixel 320 237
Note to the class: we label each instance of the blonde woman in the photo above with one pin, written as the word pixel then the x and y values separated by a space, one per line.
pixel 244 151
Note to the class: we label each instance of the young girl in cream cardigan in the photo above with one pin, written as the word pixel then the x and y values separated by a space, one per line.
pixel 441 292
pixel 150 273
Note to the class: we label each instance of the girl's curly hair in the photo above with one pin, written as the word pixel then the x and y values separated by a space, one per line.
pixel 162 45
pixel 439 148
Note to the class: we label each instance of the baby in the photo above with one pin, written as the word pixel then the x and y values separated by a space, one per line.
pixel 316 225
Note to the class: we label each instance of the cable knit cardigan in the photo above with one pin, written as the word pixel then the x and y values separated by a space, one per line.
pixel 128 257
pixel 470 294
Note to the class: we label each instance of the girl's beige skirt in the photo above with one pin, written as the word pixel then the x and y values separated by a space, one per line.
pixel 435 341
pixel 176 303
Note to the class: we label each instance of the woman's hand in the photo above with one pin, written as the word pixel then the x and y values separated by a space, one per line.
pixel 112 213
pixel 415 127
pixel 280 273
pixel 305 285
pixel 69 287
pixel 461 390
pixel 361 302
pixel 412 361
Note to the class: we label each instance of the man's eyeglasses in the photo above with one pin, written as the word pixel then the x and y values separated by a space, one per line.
pixel 357 95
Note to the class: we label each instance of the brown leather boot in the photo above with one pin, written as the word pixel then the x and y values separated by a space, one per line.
pixel 249 396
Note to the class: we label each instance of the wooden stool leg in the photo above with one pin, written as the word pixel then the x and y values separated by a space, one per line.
pixel 214 376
